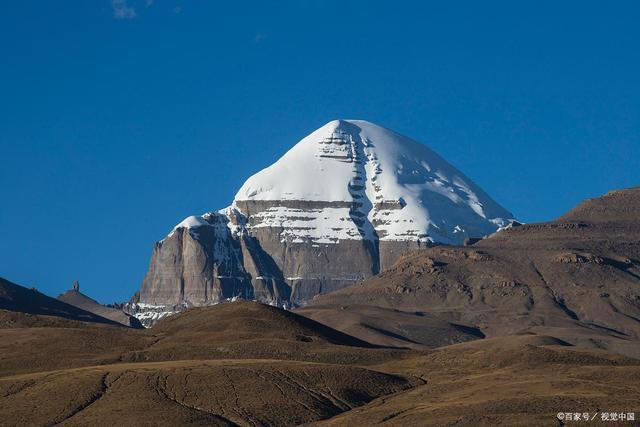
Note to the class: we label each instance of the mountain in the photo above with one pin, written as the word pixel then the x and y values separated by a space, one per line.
pixel 576 278
pixel 77 299
pixel 25 302
pixel 340 206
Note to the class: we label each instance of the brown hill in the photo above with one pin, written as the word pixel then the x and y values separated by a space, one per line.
pixel 617 206
pixel 251 365
pixel 199 393
pixel 245 329
pixel 242 329
pixel 17 298
pixel 238 363
pixel 80 300
pixel 576 278
pixel 16 319
pixel 244 320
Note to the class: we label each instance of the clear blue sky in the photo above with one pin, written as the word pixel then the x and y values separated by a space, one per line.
pixel 119 119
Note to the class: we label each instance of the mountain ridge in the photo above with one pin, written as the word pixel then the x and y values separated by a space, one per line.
pixel 78 299
pixel 18 299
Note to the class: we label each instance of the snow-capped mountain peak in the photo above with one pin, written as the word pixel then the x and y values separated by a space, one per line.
pixel 341 205
pixel 387 186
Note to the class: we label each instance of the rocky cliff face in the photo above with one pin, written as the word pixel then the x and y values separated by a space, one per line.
pixel 340 206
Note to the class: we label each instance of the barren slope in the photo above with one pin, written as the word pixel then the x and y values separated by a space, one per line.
pixel 207 366
pixel 235 330
pixel 247 364
pixel 510 381
pixel 80 300
pixel 577 278
pixel 17 298
pixel 203 393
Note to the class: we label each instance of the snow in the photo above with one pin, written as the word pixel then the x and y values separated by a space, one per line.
pixel 150 317
pixel 218 222
pixel 147 306
pixel 326 225
pixel 348 180
pixel 362 181
pixel 148 314
pixel 192 222
pixel 405 190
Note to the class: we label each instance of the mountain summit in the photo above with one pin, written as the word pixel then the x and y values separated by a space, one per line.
pixel 384 186
pixel 341 205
